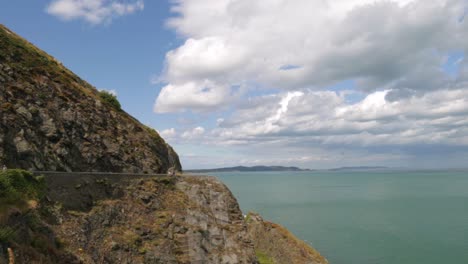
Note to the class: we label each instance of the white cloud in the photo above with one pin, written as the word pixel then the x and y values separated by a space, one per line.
pixel 197 96
pixel 93 11
pixel 194 133
pixel 402 102
pixel 291 45
pixel 320 118
pixel 168 134
pixel 319 129
pixel 202 58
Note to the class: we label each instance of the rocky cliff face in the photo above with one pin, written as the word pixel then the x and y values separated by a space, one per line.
pixel 104 219
pixel 159 220
pixel 275 244
pixel 50 119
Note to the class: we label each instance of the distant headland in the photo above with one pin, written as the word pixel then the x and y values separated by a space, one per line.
pixel 359 168
pixel 282 168
pixel 248 169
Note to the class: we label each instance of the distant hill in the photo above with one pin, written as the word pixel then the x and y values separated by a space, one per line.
pixel 360 168
pixel 249 169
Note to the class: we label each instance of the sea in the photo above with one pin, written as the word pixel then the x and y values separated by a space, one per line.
pixel 365 217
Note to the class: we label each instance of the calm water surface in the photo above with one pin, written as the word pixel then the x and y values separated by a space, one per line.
pixel 365 217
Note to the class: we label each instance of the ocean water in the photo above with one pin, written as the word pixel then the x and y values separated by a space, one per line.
pixel 386 217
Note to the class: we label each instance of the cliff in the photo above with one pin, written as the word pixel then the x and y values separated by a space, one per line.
pixel 50 119
pixel 98 218
pixel 275 244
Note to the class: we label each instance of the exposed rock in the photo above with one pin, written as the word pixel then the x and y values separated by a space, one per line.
pixel 103 219
pixel 22 145
pixel 276 244
pixel 50 119
pixel 221 234
pixel 197 220
pixel 24 112
pixel 48 127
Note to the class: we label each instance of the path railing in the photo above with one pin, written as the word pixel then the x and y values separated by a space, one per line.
pixel 92 173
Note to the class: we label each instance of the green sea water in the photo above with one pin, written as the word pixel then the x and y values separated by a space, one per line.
pixel 385 217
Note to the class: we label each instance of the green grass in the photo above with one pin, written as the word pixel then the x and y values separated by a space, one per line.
pixel 19 186
pixel 248 217
pixel 264 258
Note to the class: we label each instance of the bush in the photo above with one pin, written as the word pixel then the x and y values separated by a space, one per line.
pixel 110 99
pixel 20 185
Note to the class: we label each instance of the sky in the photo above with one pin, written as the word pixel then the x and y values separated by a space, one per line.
pixel 310 83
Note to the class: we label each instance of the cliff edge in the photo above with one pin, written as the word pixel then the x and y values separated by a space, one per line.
pixel 144 219
pixel 275 244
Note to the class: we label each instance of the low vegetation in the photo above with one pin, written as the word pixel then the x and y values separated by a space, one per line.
pixel 110 99
pixel 18 187
pixel 264 258
pixel 6 234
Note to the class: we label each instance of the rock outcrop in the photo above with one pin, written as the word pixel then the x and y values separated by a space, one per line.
pixel 139 220
pixel 50 119
pixel 146 219
pixel 275 244
pixel 214 211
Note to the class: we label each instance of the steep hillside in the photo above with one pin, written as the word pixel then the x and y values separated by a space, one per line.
pixel 106 219
pixel 98 218
pixel 50 119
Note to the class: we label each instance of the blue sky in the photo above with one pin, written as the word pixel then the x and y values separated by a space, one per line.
pixel 315 84
pixel 120 55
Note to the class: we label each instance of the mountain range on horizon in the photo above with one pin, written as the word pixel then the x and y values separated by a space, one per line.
pixel 280 168
pixel 248 169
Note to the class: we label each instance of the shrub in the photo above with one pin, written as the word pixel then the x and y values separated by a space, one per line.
pixel 110 99
pixel 20 185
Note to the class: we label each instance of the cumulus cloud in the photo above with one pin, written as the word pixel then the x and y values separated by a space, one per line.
pixel 194 133
pixel 323 118
pixel 197 96
pixel 210 57
pixel 321 129
pixel 397 45
pixel 404 61
pixel 93 11
pixel 168 134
